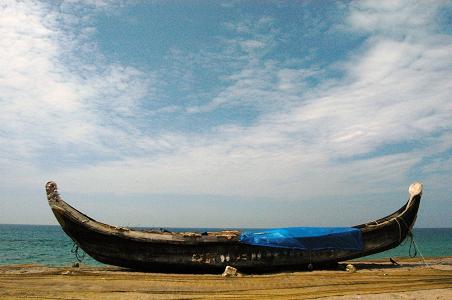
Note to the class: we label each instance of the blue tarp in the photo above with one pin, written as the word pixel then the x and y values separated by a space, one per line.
pixel 306 238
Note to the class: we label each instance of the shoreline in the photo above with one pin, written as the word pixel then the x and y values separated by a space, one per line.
pixel 374 279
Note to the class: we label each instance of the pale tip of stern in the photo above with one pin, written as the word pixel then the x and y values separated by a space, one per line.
pixel 415 189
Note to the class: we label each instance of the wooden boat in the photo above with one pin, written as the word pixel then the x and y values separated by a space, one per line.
pixel 155 250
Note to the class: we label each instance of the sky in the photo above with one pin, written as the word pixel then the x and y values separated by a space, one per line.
pixel 226 113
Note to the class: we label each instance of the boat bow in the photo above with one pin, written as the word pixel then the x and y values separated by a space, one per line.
pixel 186 251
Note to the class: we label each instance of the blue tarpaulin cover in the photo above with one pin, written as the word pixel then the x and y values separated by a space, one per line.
pixel 306 238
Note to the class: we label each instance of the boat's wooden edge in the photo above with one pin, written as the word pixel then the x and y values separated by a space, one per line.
pixel 60 207
pixel 414 192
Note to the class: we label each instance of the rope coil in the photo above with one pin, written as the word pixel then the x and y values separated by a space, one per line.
pixel 412 246
pixel 416 249
pixel 75 250
pixel 413 250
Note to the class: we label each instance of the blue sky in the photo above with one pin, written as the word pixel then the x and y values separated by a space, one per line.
pixel 226 114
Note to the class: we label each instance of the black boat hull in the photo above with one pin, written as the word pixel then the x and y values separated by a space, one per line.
pixel 190 252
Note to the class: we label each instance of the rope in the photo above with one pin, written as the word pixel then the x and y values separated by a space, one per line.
pixel 78 256
pixel 416 250
pixel 414 246
pixel 400 230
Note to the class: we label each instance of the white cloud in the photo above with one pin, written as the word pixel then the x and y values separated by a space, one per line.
pixel 305 142
pixel 44 101
pixel 395 91
pixel 394 17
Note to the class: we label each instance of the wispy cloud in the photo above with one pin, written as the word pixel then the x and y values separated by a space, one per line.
pixel 396 18
pixel 48 104
pixel 313 134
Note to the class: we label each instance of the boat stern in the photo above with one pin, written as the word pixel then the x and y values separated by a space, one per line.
pixel 52 194
pixel 415 189
pixel 55 202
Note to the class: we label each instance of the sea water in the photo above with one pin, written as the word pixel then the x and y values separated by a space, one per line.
pixel 49 245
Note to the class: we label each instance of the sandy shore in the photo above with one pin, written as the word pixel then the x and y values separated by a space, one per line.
pixel 376 279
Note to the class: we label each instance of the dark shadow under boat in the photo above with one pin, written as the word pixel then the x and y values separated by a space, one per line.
pixel 211 252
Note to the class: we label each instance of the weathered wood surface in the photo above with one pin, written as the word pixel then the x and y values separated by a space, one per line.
pixel 187 252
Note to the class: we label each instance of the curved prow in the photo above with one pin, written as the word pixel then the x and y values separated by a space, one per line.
pixel 411 206
pixel 60 207
pixel 415 189
pixel 390 231
pixel 51 190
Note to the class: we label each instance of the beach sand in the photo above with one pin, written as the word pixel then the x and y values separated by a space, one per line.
pixel 376 279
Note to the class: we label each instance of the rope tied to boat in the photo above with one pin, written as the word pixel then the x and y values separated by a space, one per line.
pixel 75 250
pixel 416 249
pixel 400 230
pixel 413 250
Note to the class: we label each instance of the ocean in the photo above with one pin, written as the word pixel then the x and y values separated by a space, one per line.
pixel 49 245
